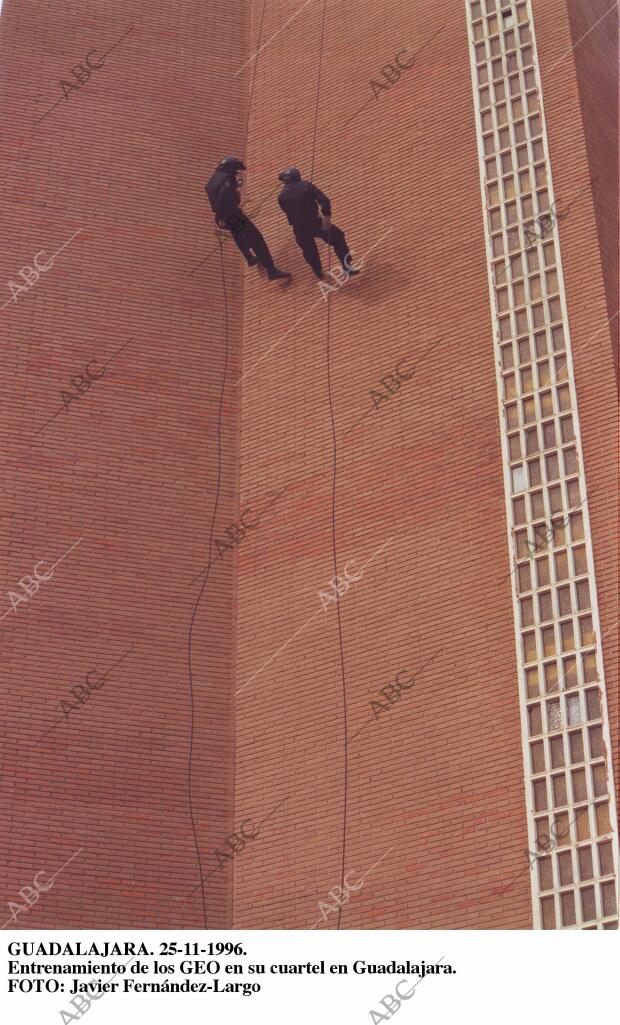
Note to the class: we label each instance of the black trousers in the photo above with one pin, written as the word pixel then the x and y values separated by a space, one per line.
pixel 305 235
pixel 249 239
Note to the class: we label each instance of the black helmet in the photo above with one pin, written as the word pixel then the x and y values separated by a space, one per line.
pixel 230 165
pixel 292 174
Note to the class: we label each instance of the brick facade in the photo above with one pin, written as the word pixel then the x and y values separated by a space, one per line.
pixel 426 798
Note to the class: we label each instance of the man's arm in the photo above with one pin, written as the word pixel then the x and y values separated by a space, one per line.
pixel 229 201
pixel 284 210
pixel 324 204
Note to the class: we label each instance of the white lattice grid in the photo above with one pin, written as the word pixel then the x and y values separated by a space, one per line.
pixel 569 791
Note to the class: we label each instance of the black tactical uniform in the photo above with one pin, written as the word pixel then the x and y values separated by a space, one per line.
pixel 223 192
pixel 301 202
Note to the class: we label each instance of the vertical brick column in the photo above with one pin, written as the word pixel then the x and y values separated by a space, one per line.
pixel 435 818
pixel 112 167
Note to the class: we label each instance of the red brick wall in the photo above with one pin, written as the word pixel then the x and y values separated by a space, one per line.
pixel 131 468
pixel 594 28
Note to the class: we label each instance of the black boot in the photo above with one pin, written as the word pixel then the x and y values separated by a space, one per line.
pixel 275 275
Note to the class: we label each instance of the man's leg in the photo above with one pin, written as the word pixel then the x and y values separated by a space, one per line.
pixel 238 231
pixel 260 247
pixel 305 240
pixel 253 246
pixel 335 237
pixel 256 242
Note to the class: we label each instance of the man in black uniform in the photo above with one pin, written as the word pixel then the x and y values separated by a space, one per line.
pixel 301 202
pixel 223 192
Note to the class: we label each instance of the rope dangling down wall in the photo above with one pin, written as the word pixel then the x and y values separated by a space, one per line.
pixel 333 510
pixel 251 92
pixel 203 589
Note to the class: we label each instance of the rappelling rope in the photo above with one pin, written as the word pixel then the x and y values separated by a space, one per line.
pixel 251 92
pixel 333 516
pixel 247 126
pixel 204 586
pixel 333 513
pixel 216 504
